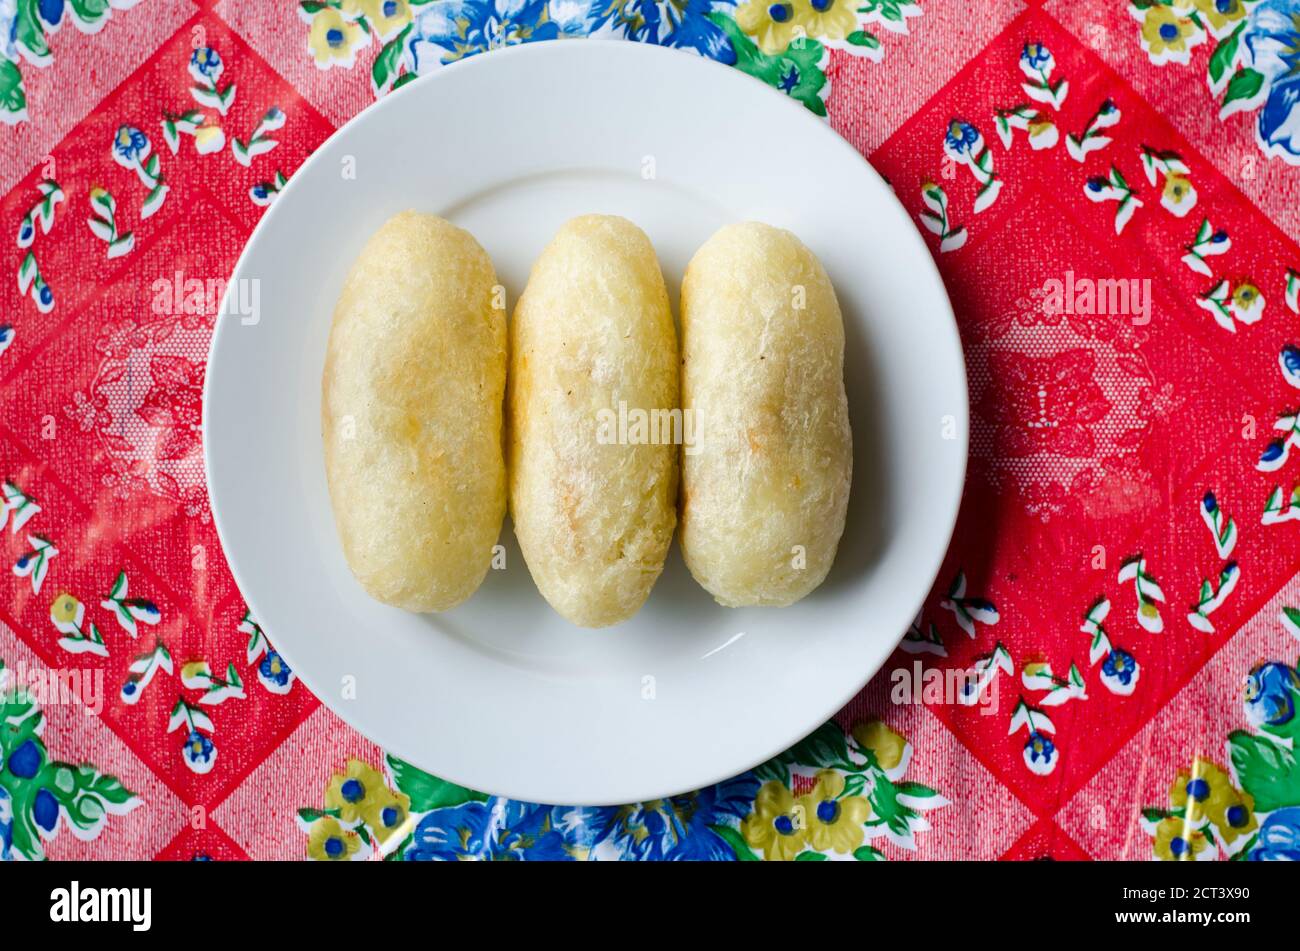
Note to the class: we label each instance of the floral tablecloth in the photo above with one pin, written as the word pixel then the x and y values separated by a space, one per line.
pixel 1106 667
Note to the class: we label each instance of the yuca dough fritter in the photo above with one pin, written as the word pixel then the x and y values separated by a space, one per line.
pixel 411 413
pixel 592 330
pixel 766 488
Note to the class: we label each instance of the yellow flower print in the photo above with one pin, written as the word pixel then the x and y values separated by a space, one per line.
pixel 1206 791
pixel 194 668
pixel 356 792
pixel 832 822
pixel 1245 295
pixel 388 816
pixel 1176 841
pixel 1221 14
pixel 774 827
pixel 884 743
pixel 772 24
pixel 1236 819
pixel 209 138
pixel 1178 190
pixel 1042 133
pixel 1201 790
pixel 1165 31
pixel 334 40
pixel 386 17
pixel 826 19
pixel 330 842
pixel 66 610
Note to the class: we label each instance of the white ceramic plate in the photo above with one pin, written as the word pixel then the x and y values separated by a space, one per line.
pixel 501 694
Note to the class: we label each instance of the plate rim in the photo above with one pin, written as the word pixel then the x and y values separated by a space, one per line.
pixel 951 508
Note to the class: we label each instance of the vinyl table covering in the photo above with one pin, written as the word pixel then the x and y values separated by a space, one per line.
pixel 1106 665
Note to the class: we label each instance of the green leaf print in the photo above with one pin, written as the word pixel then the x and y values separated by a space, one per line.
pixel 85 796
pixel 12 97
pixel 915 790
pixel 89 12
pixel 886 808
pixel 891 10
pixel 20 720
pixel 428 792
pixel 1225 54
pixel 1244 86
pixel 26 838
pixel 1267 770
pixel 737 842
pixel 309 815
pixel 796 72
pixel 824 747
pixel 28 31
pixel 774 770
pixel 386 64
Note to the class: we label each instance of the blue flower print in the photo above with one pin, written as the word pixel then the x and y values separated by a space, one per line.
pixel 447 835
pixel 50 12
pixel 1279 837
pixel 1036 57
pixel 1040 753
pixel 451 30
pixel 1119 665
pixel 45 811
pixel 526 832
pixel 1273 455
pixel 130 146
pixel 681 828
pixel 25 762
pixel 1279 120
pixel 1272 36
pixel 198 751
pixel 9 30
pixel 206 64
pixel 1042 746
pixel 684 24
pixel 962 139
pixel 273 671
pixel 1270 696
pixel 1289 358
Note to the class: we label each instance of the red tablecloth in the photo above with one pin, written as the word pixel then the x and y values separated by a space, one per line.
pixel 1110 190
